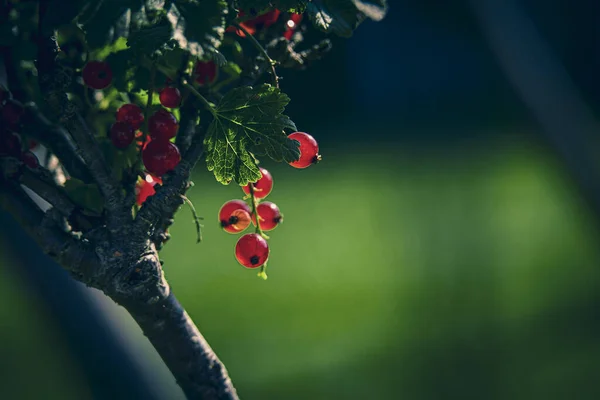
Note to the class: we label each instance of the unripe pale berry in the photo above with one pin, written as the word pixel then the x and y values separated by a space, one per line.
pixel 252 250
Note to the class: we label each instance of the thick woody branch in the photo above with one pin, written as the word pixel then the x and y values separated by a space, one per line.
pixel 74 255
pixel 54 81
pixel 183 348
pixel 57 140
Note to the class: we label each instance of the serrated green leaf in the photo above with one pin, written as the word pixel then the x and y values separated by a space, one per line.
pixel 86 196
pixel 149 39
pixel 249 121
pixel 343 16
pixel 198 25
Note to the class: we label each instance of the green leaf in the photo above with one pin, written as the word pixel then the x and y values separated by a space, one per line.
pixel 86 196
pixel 198 25
pixel 149 39
pixel 100 19
pixel 295 6
pixel 249 121
pixel 343 16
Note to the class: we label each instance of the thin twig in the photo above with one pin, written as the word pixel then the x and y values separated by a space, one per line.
pixel 262 50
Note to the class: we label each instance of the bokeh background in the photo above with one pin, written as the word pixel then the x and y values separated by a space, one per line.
pixel 441 250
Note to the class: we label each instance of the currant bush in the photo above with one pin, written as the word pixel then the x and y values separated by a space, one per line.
pixel 132 114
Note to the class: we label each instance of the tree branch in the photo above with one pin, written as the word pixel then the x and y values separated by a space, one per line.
pixel 74 255
pixel 54 81
pixel 37 126
pixel 183 348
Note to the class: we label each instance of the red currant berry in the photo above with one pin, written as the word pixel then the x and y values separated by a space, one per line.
pixel 263 186
pixel 97 74
pixel 145 188
pixel 10 144
pixel 30 160
pixel 232 216
pixel 160 156
pixel 205 72
pixel 268 215
pixel 121 134
pixel 309 150
pixel 170 97
pixel 292 25
pixel 252 250
pixel 252 25
pixel 162 125
pixel 132 114
pixel 12 112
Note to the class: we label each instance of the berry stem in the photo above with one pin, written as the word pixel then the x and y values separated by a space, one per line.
pixel 263 269
pixel 262 50
pixel 148 104
pixel 196 218
pixel 202 99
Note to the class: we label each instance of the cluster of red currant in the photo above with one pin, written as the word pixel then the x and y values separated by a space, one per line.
pixel 11 145
pixel 252 249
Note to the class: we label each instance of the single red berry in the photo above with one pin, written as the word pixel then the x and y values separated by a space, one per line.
pixel 268 215
pixel 205 72
pixel 121 134
pixel 160 156
pixel 132 114
pixel 12 112
pixel 291 25
pixel 97 74
pixel 162 125
pixel 145 188
pixel 233 215
pixel 170 97
pixel 30 160
pixel 263 186
pixel 10 144
pixel 309 150
pixel 252 250
pixel 252 25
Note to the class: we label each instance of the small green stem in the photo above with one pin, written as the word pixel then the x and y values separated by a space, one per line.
pixel 262 51
pixel 263 269
pixel 196 218
pixel 202 99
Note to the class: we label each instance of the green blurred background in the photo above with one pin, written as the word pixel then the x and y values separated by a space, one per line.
pixel 439 251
